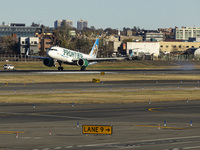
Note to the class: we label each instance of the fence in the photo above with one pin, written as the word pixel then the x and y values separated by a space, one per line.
pixel 17 58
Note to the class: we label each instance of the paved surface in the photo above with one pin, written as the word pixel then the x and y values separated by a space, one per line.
pixel 133 71
pixel 135 126
pixel 13 88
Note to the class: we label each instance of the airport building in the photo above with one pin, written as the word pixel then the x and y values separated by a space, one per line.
pixel 81 24
pixel 185 33
pixel 152 48
pixel 21 30
pixel 178 46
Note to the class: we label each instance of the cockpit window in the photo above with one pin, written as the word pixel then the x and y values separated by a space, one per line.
pixel 53 49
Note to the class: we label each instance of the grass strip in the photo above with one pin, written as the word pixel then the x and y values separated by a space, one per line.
pixel 103 97
pixel 88 78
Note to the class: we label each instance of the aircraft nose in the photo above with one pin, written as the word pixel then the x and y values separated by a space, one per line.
pixel 49 53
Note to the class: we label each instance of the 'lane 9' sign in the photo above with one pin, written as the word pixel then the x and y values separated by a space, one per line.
pixel 97 129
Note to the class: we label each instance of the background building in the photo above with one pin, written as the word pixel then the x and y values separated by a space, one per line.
pixel 151 35
pixel 149 47
pixel 18 29
pixel 185 33
pixel 178 46
pixel 46 39
pixel 81 24
pixel 59 23
pixel 30 43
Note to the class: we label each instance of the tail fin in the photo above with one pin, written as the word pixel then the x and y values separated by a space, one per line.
pixel 94 50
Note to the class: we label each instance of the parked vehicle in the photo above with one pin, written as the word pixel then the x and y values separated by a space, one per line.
pixel 8 67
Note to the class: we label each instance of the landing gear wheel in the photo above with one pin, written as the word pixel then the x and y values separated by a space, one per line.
pixel 83 68
pixel 60 68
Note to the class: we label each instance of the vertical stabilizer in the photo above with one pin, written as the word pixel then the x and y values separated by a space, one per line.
pixel 94 50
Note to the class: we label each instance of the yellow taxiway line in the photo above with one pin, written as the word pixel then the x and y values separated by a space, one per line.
pixel 9 132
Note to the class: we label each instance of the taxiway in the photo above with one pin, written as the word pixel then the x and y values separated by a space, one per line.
pixel 135 126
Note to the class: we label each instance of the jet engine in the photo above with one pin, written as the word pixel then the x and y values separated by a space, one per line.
pixel 82 63
pixel 48 62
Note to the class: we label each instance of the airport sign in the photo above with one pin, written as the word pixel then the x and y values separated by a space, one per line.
pixel 97 129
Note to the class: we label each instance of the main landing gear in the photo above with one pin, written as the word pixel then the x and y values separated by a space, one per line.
pixel 60 68
pixel 83 68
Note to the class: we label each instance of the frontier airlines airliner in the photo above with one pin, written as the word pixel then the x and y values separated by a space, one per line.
pixel 71 57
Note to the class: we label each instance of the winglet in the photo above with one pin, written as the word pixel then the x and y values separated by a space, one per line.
pixel 27 52
pixel 94 50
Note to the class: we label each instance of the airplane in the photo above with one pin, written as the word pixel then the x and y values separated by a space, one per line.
pixel 71 57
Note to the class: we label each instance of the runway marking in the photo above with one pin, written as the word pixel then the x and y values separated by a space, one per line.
pixel 94 110
pixel 183 148
pixel 138 143
pixel 38 114
pixel 75 72
pixel 9 132
pixel 154 110
pixel 159 108
pixel 174 128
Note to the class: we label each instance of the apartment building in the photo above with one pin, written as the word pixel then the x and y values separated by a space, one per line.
pixel 46 40
pixel 81 24
pixel 185 33
pixel 59 23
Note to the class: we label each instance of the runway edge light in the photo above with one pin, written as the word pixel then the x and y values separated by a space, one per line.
pixel 50 132
pixel 149 101
pixel 165 123
pixel 17 135
pixel 159 126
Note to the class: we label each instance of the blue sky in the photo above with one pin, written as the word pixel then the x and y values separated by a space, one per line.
pixel 147 14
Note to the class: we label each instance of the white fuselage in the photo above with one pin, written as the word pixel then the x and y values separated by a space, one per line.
pixel 66 55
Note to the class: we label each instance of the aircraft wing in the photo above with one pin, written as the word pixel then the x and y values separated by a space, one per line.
pixel 101 59
pixel 38 57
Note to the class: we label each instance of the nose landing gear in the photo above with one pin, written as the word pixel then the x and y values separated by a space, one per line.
pixel 60 68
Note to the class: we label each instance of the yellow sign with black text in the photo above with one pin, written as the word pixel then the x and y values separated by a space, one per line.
pixel 97 129
pixel 96 80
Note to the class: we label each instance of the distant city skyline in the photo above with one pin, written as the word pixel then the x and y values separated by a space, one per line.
pixel 147 14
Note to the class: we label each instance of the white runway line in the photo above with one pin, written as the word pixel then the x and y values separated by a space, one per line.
pixel 75 72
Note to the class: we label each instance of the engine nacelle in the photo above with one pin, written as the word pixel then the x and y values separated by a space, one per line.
pixel 48 62
pixel 82 63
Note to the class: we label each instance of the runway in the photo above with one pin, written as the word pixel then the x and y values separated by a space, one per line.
pixel 129 71
pixel 135 126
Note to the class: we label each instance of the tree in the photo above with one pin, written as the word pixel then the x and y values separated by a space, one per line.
pixel 110 31
pixel 105 48
pixel 83 45
pixel 62 36
pixel 8 45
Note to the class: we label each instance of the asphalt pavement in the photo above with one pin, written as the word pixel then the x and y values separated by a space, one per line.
pixel 140 126
pixel 135 126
